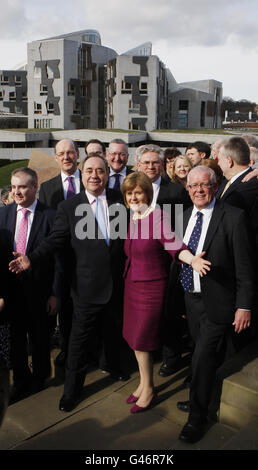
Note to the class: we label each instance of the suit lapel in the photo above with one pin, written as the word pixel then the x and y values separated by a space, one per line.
pixel 37 221
pixel 217 214
pixel 233 186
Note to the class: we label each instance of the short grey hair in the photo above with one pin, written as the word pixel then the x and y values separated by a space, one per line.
pixel 118 141
pixel 148 148
pixel 203 169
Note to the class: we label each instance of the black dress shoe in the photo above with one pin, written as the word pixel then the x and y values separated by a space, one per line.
pixel 191 433
pixel 168 369
pixel 183 406
pixel 67 404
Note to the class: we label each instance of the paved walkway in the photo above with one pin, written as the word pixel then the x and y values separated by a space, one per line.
pixel 102 420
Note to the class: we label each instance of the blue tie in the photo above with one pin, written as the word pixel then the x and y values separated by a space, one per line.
pixel 187 271
pixel 117 182
pixel 101 220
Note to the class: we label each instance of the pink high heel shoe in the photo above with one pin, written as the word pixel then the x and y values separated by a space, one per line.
pixel 131 399
pixel 138 409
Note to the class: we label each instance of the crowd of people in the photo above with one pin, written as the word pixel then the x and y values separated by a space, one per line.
pixel 115 256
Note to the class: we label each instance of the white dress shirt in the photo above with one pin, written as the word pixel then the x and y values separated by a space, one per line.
pixel 207 213
pixel 156 188
pixel 30 218
pixel 76 182
pixel 112 180
pixel 238 174
pixel 103 201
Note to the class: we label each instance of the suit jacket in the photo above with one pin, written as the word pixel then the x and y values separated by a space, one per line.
pixel 46 279
pixel 230 282
pixel 172 193
pixel 51 192
pixel 244 196
pixel 128 171
pixel 94 264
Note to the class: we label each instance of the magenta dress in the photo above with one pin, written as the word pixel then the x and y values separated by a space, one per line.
pixel 149 246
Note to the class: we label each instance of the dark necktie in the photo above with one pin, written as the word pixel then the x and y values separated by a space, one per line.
pixel 70 191
pixel 187 270
pixel 117 182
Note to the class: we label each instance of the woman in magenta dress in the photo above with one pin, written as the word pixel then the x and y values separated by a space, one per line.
pixel 149 246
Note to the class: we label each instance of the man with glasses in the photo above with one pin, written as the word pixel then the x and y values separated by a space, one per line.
pixel 117 158
pixel 219 302
pixel 63 186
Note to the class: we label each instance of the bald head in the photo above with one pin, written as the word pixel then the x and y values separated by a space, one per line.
pixel 66 155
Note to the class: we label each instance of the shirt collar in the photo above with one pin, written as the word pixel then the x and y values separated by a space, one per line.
pixel 157 182
pixel 76 174
pixel 206 210
pixel 92 198
pixel 122 172
pixel 31 208
pixel 238 174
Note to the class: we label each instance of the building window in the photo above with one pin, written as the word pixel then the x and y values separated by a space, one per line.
pixel 24 96
pixel 4 80
pixel 183 114
pixel 50 107
pixel 76 108
pixel 12 95
pixel 2 95
pixel 71 89
pixel 143 88
pixel 37 108
pixel 126 87
pixel 43 123
pixel 43 90
pixel 134 107
pixel 49 71
pixel 18 79
pixel 202 116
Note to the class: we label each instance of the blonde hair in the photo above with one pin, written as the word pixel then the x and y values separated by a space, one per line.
pixel 138 178
pixel 172 172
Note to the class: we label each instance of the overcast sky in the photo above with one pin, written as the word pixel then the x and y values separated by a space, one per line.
pixel 196 39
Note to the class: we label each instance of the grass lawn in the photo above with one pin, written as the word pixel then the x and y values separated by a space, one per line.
pixel 6 170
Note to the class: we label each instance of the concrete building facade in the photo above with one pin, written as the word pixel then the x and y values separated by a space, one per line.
pixel 13 92
pixel 66 77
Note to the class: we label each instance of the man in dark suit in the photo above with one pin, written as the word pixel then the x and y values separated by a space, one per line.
pixel 96 272
pixel 234 160
pixel 33 296
pixel 166 195
pixel 51 193
pixel 222 298
pixel 117 158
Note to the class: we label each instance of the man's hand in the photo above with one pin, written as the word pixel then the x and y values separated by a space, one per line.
pixel 53 305
pixel 1 305
pixel 250 175
pixel 200 265
pixel 19 263
pixel 242 320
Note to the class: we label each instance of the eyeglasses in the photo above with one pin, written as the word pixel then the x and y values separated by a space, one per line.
pixel 62 154
pixel 146 164
pixel 119 154
pixel 195 186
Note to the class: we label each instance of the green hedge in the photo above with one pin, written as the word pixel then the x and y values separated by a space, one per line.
pixel 6 169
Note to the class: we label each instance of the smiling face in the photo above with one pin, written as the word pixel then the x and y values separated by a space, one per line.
pixel 136 199
pixel 151 165
pixel 181 168
pixel 201 190
pixel 94 175
pixel 66 156
pixel 23 191
pixel 117 156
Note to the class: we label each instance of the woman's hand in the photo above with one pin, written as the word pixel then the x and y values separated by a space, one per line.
pixel 200 265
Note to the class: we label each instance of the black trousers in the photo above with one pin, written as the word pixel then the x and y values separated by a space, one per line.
pixel 31 324
pixel 91 321
pixel 210 339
